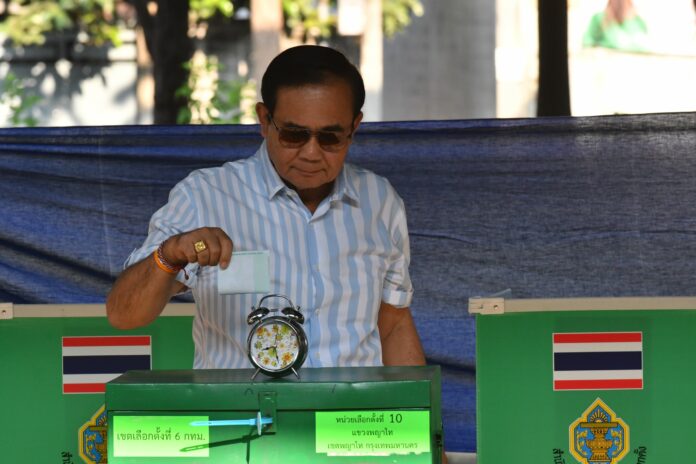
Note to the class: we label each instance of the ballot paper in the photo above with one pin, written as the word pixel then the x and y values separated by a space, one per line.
pixel 247 273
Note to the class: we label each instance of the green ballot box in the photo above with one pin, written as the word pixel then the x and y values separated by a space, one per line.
pixel 588 380
pixel 328 415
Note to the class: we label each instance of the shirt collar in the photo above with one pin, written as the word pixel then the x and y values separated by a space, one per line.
pixel 343 187
pixel 272 180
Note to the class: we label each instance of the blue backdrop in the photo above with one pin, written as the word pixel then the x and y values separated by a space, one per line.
pixel 548 207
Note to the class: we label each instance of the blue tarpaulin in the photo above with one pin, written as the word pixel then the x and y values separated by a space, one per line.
pixel 547 207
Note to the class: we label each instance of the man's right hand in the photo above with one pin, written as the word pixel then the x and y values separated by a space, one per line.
pixel 142 291
pixel 180 250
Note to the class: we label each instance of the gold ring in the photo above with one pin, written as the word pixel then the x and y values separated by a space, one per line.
pixel 200 246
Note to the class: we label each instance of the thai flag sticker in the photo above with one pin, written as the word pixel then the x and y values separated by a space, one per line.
pixel 90 362
pixel 598 361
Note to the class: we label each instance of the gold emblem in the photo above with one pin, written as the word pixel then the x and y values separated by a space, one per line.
pixel 92 438
pixel 598 436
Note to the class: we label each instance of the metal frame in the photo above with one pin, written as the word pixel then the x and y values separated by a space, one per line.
pixel 80 310
pixel 501 305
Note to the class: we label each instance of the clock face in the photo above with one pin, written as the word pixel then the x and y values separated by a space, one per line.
pixel 274 345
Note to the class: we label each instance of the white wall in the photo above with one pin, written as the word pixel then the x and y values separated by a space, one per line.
pixel 443 66
pixel 78 86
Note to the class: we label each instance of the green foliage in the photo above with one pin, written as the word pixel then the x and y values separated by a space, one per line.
pixel 202 10
pixel 21 104
pixel 397 14
pixel 30 21
pixel 304 21
pixel 214 101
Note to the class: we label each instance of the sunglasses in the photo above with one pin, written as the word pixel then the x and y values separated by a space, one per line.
pixel 296 137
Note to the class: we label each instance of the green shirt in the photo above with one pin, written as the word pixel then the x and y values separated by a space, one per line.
pixel 630 35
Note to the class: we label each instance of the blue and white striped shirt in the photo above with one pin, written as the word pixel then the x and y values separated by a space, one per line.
pixel 337 264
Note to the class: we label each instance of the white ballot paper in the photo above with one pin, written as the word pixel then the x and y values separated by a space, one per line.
pixel 247 273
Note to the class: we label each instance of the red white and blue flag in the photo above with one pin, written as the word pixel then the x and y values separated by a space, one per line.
pixel 598 361
pixel 90 362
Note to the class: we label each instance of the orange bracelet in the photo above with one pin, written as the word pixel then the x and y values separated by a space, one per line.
pixel 163 264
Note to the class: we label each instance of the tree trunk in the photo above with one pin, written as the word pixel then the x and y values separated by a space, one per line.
pixel 266 27
pixel 166 36
pixel 554 87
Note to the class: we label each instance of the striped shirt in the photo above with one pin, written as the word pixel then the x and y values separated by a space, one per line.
pixel 337 264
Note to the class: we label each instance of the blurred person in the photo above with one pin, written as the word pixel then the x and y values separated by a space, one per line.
pixel 619 27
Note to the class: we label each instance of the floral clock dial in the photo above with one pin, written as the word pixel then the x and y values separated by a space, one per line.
pixel 277 344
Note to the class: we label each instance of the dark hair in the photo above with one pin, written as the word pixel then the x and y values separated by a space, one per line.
pixel 310 64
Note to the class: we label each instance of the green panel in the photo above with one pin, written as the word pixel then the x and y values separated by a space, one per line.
pixel 33 404
pixel 522 420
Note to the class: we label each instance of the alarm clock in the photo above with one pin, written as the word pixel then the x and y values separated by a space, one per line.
pixel 277 343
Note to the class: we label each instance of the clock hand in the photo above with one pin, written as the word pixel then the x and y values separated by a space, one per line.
pixel 276 344
pixel 275 352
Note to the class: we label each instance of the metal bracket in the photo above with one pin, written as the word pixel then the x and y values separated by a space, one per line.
pixel 487 305
pixel 6 311
pixel 267 408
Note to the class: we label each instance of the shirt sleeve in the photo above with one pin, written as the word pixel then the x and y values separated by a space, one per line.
pixel 397 289
pixel 177 216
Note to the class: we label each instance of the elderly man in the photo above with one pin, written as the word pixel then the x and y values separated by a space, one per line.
pixel 336 233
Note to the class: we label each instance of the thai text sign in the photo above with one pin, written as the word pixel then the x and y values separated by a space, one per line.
pixel 159 436
pixel 372 433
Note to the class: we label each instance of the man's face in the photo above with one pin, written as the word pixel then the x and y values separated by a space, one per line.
pixel 309 167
